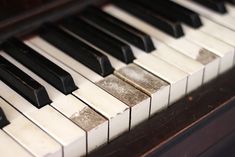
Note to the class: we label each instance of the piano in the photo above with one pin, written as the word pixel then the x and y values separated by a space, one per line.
pixel 117 78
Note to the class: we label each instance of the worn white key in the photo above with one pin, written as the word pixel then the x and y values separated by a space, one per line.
pixel 28 134
pixel 208 59
pixel 94 124
pixel 225 51
pixel 139 102
pixel 223 19
pixel 9 147
pixel 153 86
pixel 48 119
pixel 174 76
pixel 114 110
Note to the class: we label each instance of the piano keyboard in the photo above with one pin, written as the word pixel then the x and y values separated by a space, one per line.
pixel 75 85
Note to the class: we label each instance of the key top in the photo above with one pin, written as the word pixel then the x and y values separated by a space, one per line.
pixel 40 65
pixel 23 84
pixel 117 27
pixel 76 49
pixel 216 5
pixel 7 141
pixel 174 10
pixel 30 136
pixel 3 120
pixel 169 25
pixel 100 39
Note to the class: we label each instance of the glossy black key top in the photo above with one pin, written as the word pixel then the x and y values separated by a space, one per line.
pixel 26 86
pixel 3 119
pixel 174 10
pixel 165 23
pixel 77 49
pixel 99 38
pixel 118 28
pixel 216 5
pixel 40 65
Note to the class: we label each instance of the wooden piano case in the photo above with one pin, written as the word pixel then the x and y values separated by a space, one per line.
pixel 201 124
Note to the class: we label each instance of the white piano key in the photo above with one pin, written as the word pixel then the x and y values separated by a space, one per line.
pixel 174 76
pixel 48 119
pixel 225 51
pixel 210 61
pixel 114 110
pixel 223 19
pixel 156 88
pixel 220 32
pixel 153 86
pixel 193 68
pixel 138 101
pixel 70 106
pixel 9 147
pixel 28 134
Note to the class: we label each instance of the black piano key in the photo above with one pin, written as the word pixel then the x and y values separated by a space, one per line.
pixel 216 5
pixel 3 119
pixel 174 10
pixel 77 49
pixel 40 65
pixel 26 86
pixel 100 39
pixel 165 23
pixel 119 28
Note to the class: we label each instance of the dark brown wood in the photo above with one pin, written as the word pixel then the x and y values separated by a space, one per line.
pixel 187 128
pixel 31 18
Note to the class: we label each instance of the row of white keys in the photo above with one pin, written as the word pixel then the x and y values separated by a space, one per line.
pixel 32 138
pixel 138 101
pixel 153 86
pixel 95 125
pixel 223 19
pixel 114 110
pixel 71 137
pixel 198 53
pixel 220 48
pixel 7 144
pixel 176 77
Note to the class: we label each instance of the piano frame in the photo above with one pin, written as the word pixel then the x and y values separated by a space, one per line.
pixel 202 122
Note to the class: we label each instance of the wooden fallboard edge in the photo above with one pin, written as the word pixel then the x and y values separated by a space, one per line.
pixel 29 21
pixel 188 127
